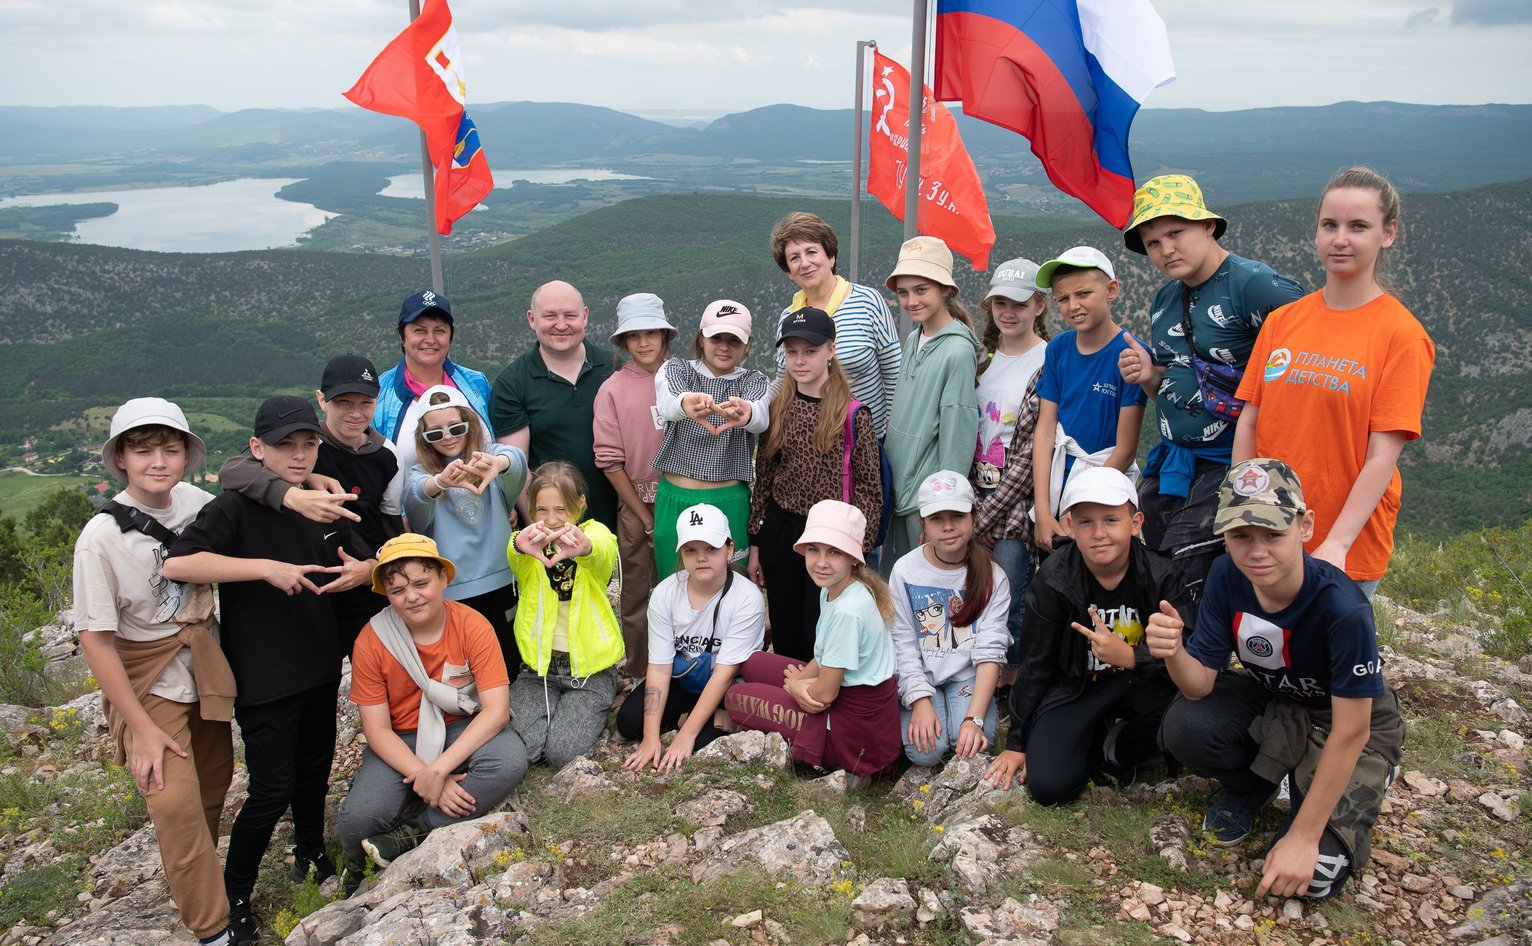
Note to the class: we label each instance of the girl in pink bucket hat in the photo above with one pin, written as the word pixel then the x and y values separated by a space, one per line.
pixel 841 709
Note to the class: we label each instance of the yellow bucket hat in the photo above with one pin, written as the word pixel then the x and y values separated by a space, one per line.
pixel 1169 195
pixel 408 545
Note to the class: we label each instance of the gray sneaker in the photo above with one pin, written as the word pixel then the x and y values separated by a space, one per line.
pixel 1231 815
pixel 386 847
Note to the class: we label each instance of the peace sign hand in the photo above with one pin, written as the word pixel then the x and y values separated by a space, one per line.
pixel 1104 645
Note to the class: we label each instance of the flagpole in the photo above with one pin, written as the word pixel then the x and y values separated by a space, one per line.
pixel 917 114
pixel 430 189
pixel 856 153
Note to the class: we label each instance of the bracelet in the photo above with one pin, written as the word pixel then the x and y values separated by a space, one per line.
pixel 437 479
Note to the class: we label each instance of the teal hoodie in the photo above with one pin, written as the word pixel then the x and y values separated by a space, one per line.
pixel 934 423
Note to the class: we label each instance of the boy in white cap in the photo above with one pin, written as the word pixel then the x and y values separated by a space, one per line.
pixel 1086 415
pixel 166 687
pixel 1089 697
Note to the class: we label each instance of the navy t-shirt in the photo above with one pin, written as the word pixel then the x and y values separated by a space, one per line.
pixel 1088 389
pixel 1324 644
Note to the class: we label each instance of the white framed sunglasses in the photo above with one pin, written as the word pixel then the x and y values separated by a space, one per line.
pixel 438 434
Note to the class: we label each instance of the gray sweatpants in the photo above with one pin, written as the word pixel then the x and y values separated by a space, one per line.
pixel 558 716
pixel 378 795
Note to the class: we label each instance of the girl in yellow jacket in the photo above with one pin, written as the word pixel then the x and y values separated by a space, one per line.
pixel 568 637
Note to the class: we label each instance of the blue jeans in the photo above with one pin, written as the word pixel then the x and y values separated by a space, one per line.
pixel 950 701
pixel 1015 559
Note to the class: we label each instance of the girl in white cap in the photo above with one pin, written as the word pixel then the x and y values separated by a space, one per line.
pixel 714 408
pixel 704 621
pixel 460 492
pixel 935 421
pixel 951 600
pixel 841 709
pixel 627 433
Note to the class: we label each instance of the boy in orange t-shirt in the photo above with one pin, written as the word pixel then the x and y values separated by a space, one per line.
pixel 1337 382
pixel 430 682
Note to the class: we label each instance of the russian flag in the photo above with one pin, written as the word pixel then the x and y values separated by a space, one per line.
pixel 1069 75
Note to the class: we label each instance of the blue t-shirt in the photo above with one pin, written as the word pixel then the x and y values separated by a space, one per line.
pixel 1088 389
pixel 852 635
pixel 1322 645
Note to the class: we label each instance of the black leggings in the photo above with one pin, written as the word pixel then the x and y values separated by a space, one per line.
pixel 498 607
pixel 792 598
pixel 630 718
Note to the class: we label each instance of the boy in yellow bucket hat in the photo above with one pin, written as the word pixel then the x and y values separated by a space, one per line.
pixel 1203 324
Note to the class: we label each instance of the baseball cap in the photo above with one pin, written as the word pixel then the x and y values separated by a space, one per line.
pixel 1016 280
pixel 725 316
pixel 1258 492
pixel 349 374
pixel 641 311
pixel 425 302
pixel 1103 485
pixel 281 415
pixel 1084 257
pixel 702 523
pixel 945 490
pixel 408 545
pixel 925 256
pixel 149 412
pixel 808 323
pixel 836 524
pixel 1169 195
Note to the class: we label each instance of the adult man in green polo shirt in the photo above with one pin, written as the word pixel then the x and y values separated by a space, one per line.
pixel 544 401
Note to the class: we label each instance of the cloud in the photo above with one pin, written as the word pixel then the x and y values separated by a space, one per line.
pixel 1421 18
pixel 598 16
pixel 1491 12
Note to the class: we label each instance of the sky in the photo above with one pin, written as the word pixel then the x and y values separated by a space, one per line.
pixel 726 55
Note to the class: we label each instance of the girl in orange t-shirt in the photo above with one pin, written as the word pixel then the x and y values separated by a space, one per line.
pixel 1342 382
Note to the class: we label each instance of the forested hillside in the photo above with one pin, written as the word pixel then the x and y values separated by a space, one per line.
pixel 85 326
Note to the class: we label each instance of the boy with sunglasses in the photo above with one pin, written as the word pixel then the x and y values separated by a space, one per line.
pixel 359 473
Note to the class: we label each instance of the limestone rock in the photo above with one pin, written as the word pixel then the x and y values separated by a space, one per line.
pixel 714 809
pixel 456 854
pixel 1170 837
pixel 1503 912
pixel 803 847
pixel 983 850
pixel 1013 923
pixel 884 901
pixel 581 778
pixel 749 747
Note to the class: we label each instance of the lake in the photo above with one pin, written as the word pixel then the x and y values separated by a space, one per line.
pixel 215 218
pixel 410 185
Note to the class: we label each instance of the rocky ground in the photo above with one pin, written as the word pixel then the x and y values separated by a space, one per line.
pixel 739 848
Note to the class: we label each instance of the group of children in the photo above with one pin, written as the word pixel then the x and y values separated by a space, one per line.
pixel 1016 572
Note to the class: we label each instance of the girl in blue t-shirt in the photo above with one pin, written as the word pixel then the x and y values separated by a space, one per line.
pixel 841 709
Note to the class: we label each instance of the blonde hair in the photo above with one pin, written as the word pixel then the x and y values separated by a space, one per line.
pixel 834 399
pixel 876 586
pixel 426 454
pixel 563 477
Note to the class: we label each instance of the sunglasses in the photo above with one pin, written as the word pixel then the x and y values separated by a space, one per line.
pixel 438 434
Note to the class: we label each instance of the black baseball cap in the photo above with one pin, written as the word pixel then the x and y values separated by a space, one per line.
pixel 425 302
pixel 810 324
pixel 281 415
pixel 349 374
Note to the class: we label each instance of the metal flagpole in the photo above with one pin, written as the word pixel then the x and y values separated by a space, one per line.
pixel 430 188
pixel 856 154
pixel 917 114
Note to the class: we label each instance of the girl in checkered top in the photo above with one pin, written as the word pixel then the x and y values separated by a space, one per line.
pixel 713 410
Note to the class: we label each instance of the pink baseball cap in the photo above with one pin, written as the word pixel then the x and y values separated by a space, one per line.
pixel 836 524
pixel 725 316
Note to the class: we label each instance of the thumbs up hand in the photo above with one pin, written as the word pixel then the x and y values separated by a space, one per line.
pixel 1163 635
pixel 1134 363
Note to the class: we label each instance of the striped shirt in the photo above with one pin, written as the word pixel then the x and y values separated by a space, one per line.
pixel 689 449
pixel 866 345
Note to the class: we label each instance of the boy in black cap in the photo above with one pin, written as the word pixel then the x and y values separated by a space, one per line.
pixel 366 470
pixel 276 572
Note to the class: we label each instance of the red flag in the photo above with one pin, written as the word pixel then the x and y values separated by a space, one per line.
pixel 419 76
pixel 952 204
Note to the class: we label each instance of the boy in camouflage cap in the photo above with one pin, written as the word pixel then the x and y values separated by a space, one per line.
pixel 1306 698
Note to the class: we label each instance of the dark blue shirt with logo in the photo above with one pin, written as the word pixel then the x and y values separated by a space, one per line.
pixel 1324 644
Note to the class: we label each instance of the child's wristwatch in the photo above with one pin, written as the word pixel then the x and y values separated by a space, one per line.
pixel 976 720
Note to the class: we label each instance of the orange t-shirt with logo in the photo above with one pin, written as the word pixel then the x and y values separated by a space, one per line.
pixel 467 650
pixel 1324 379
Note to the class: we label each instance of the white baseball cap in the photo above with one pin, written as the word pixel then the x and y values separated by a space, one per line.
pixel 1083 257
pixel 945 491
pixel 1103 485
pixel 702 523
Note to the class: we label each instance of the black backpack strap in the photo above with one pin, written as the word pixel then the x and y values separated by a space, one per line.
pixel 136 520
pixel 727 581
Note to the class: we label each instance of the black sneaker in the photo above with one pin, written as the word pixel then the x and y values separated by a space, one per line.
pixel 352 875
pixel 320 863
pixel 243 926
pixel 1231 815
pixel 386 847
